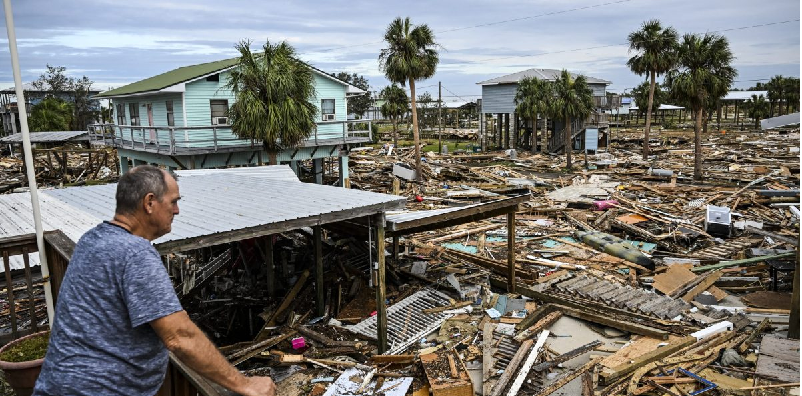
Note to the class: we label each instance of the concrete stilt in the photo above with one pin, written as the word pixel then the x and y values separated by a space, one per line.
pixel 317 168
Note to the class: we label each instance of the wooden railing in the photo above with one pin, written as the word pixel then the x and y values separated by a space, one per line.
pixel 24 305
pixel 174 140
pixel 180 379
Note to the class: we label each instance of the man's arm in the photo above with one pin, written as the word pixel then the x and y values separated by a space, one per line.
pixel 184 339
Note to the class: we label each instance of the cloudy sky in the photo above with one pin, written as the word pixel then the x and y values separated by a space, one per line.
pixel 117 42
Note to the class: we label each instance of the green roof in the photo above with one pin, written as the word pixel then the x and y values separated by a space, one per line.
pixel 170 78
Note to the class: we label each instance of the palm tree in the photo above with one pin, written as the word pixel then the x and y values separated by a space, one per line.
pixel 775 88
pixel 573 100
pixel 533 97
pixel 757 108
pixel 656 54
pixel 704 74
pixel 396 104
pixel 411 55
pixel 51 114
pixel 273 91
pixel 790 93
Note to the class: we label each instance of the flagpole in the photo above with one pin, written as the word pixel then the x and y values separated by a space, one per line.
pixel 26 148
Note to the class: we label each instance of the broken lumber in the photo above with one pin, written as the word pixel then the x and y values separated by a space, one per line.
pixel 735 263
pixel 530 360
pixel 569 377
pixel 705 284
pixel 608 375
pixel 288 299
pixel 600 318
pixel 511 368
pixel 541 324
pixel 567 356
pixel 442 383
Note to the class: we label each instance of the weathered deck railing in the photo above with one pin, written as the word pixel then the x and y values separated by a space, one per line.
pixel 180 380
pixel 21 301
pixel 174 140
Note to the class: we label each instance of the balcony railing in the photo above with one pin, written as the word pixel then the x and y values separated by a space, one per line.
pixel 213 138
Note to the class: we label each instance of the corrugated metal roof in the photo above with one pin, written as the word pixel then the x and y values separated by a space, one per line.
pixel 212 203
pixel 744 95
pixel 275 172
pixel 46 137
pixel 403 217
pixel 543 74
pixel 783 120
pixel 16 218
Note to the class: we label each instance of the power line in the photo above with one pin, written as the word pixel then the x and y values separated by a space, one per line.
pixel 490 23
pixel 616 45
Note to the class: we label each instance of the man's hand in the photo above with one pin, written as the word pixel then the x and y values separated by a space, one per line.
pixel 259 386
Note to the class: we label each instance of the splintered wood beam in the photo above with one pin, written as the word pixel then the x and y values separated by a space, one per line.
pixel 511 368
pixel 541 324
pixel 609 375
pixel 705 284
pixel 317 241
pixel 602 319
pixel 511 252
pixel 288 299
pixel 569 377
pixel 381 302
pixel 530 360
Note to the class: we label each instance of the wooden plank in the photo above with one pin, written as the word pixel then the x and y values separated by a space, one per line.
pixel 10 293
pixel 569 377
pixel 527 365
pixel 546 321
pixel 708 281
pixel 487 356
pixel 602 319
pixel 288 299
pixel 511 368
pixel 381 305
pixel 317 241
pixel 673 279
pixel 438 372
pixel 609 375
pixel 511 252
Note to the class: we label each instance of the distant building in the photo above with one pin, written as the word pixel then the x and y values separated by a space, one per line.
pixel 179 119
pixel 9 111
pixel 498 98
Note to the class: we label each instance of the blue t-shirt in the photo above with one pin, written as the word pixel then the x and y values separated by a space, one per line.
pixel 102 342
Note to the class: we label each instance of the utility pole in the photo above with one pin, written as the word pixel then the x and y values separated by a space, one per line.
pixel 440 116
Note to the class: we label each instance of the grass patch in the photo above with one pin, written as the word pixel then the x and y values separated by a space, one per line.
pixel 432 144
pixel 30 349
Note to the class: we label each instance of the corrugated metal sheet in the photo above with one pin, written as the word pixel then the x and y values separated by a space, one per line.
pixel 543 74
pixel 211 203
pixel 783 120
pixel 403 217
pixel 46 137
pixel 16 218
pixel 744 95
pixel 274 172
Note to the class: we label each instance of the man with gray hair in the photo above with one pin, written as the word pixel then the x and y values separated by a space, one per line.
pixel 118 314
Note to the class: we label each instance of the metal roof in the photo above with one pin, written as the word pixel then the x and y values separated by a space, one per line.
pixel 543 74
pixel 259 200
pixel 412 222
pixel 190 73
pixel 16 218
pixel 744 95
pixel 47 137
pixel 781 121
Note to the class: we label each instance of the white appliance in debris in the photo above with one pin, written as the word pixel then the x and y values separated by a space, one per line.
pixel 718 220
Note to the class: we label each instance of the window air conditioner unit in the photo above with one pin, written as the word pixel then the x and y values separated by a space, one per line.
pixel 221 121
pixel 329 117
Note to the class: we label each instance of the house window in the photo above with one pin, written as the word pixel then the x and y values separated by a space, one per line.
pixel 170 115
pixel 327 109
pixel 120 114
pixel 219 110
pixel 133 113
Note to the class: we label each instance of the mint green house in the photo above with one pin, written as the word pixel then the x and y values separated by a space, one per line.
pixel 178 119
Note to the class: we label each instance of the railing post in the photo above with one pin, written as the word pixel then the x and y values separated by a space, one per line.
pixel 158 148
pixel 315 135
pixel 370 131
pixel 132 137
pixel 144 145
pixel 345 132
pixel 214 137
pixel 172 140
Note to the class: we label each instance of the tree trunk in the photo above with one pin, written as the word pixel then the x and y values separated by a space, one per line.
pixel 545 132
pixel 697 138
pixel 395 132
pixel 646 130
pixel 568 149
pixel 534 132
pixel 415 133
pixel 704 123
